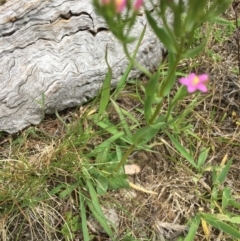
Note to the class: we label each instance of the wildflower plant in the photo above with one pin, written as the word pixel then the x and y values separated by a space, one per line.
pixel 178 38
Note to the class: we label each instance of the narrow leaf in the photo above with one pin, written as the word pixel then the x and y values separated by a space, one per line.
pixel 182 150
pixel 124 123
pixel 161 33
pixel 215 222
pixel 68 190
pixel 84 218
pixel 102 185
pixel 226 196
pixel 195 51
pixel 106 87
pixel 222 176
pixel 193 228
pixel 150 92
pixel 96 209
pixel 122 81
pixel 202 157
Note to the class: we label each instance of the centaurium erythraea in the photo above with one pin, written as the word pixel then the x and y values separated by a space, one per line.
pixel 195 82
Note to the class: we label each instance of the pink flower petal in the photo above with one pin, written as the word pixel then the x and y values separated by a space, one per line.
pixel 191 88
pixel 202 88
pixel 138 4
pixel 184 81
pixel 120 5
pixel 194 82
pixel 192 76
pixel 203 77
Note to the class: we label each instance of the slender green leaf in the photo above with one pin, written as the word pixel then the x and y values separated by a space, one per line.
pixel 130 117
pixel 178 9
pixel 106 87
pixel 146 133
pixel 118 181
pixel 118 153
pixel 216 9
pixel 102 185
pixel 60 118
pixel 234 204
pixel 226 228
pixel 113 130
pixel 190 53
pixel 68 190
pixel 181 93
pixel 150 93
pixel 57 189
pixel 96 209
pixel 111 139
pixel 223 217
pixel 161 33
pixel 222 176
pixel 222 21
pixel 202 157
pixel 122 119
pixel 123 80
pixel 84 219
pixel 226 197
pixel 182 150
pixel 193 228
pixel 170 79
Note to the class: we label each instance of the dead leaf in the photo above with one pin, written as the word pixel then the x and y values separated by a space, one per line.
pixel 205 229
pixel 170 230
pixel 141 189
pixel 131 169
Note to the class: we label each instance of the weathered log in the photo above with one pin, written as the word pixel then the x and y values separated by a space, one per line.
pixel 54 51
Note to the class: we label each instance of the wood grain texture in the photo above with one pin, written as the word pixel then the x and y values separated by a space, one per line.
pixel 55 49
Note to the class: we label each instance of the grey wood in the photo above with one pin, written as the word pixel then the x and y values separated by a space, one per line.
pixel 55 49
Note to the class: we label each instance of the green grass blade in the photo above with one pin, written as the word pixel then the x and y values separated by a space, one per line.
pixel 234 204
pixel 96 209
pixel 202 157
pixel 146 133
pixel 124 123
pixel 113 130
pixel 110 140
pixel 222 176
pixel 222 217
pixel 193 228
pixel 131 117
pixel 161 33
pixel 226 228
pixel 68 190
pixel 106 88
pixel 150 92
pixel 123 80
pixel 191 53
pixel 182 150
pixel 84 219
pixel 226 197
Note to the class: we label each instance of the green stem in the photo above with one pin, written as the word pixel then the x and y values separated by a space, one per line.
pixel 124 158
pixel 168 78
pixel 135 63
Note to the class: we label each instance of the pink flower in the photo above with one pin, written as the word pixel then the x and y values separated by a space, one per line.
pixel 138 4
pixel 194 82
pixel 120 5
